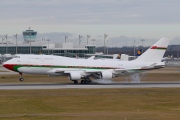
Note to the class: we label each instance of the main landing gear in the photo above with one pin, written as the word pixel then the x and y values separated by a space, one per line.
pixel 86 80
pixel 21 78
pixel 75 82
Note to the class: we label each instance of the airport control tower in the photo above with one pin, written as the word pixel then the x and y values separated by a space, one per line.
pixel 29 35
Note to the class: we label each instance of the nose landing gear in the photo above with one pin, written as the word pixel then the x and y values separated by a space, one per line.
pixel 21 78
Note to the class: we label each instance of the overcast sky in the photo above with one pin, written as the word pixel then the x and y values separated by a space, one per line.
pixel 121 19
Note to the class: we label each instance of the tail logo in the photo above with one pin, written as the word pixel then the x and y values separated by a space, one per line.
pixel 158 48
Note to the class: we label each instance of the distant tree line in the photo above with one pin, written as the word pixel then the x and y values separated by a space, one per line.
pixel 172 50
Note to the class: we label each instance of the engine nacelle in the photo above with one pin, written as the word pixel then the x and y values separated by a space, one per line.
pixel 106 75
pixel 74 76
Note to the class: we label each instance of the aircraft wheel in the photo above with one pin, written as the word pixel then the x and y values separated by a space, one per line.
pixel 86 82
pixel 82 81
pixel 21 79
pixel 75 82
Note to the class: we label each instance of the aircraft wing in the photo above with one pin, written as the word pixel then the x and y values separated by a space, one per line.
pixel 89 71
pixel 86 71
pixel 59 70
pixel 116 72
pixel 122 71
pixel 125 71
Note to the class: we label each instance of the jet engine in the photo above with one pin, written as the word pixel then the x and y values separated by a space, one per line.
pixel 106 75
pixel 74 76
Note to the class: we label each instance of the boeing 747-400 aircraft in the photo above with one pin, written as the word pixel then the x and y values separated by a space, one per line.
pixel 86 69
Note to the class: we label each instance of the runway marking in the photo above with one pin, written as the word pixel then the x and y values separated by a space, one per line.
pixel 88 86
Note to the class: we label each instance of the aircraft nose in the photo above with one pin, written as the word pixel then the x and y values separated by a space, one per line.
pixel 8 66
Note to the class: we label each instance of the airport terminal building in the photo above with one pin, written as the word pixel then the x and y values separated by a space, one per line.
pixel 31 46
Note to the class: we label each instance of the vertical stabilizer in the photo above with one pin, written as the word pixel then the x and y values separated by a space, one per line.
pixel 156 52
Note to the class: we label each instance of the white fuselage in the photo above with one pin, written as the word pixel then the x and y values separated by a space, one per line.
pixel 53 65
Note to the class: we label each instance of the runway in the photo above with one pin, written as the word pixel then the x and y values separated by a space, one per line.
pixel 97 84
pixel 88 86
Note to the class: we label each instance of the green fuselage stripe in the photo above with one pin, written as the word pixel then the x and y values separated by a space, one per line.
pixel 15 67
pixel 161 48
